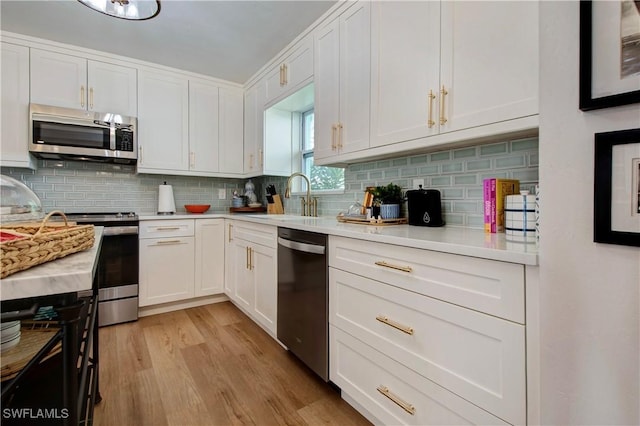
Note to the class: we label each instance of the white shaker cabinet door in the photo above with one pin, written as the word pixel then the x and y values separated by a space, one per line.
pixel 14 136
pixel 263 265
pixel 163 122
pixel 327 90
pixel 244 286
pixel 341 82
pixel 231 145
pixel 253 128
pixel 112 88
pixel 355 40
pixel 209 251
pixel 229 260
pixel 489 63
pixel 58 79
pixel 203 127
pixel 166 270
pixel 405 70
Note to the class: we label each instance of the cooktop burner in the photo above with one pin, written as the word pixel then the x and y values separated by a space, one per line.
pixel 102 217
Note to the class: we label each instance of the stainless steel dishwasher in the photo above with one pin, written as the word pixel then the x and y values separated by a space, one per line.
pixel 303 297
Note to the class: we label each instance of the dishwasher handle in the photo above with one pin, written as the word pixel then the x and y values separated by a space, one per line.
pixel 304 247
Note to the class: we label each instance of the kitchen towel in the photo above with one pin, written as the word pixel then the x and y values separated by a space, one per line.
pixel 166 203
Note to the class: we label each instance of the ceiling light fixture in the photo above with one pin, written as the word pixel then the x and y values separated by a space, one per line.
pixel 135 10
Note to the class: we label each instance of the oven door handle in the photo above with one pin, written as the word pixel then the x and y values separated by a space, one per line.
pixel 298 246
pixel 119 230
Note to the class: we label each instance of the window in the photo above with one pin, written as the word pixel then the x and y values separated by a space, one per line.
pixel 322 178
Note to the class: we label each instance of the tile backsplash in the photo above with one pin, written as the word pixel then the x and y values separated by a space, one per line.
pixel 458 173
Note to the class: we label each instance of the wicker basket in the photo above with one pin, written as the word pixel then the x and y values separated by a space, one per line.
pixel 34 243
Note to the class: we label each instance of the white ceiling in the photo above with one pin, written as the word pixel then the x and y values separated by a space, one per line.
pixel 230 40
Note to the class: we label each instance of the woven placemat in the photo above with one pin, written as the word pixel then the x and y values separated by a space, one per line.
pixel 31 341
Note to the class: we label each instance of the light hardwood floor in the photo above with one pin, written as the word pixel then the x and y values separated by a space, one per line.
pixel 209 365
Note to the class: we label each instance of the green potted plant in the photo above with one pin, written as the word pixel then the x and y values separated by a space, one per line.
pixel 388 199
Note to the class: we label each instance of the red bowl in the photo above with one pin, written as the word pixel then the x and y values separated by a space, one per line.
pixel 197 208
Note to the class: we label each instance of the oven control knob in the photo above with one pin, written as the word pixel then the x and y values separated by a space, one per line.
pixel 118 215
pixel 131 214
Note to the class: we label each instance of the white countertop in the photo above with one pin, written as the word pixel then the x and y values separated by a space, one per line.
pixel 448 239
pixel 65 275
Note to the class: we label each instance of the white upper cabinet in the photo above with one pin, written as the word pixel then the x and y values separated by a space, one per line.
pixel 253 129
pixel 203 127
pixel 188 127
pixel 163 122
pixel 231 148
pixel 489 64
pixel 341 79
pixel 75 82
pixel 405 70
pixel 14 132
pixel 439 67
pixel 291 73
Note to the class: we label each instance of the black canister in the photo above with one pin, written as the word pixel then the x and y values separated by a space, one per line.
pixel 425 208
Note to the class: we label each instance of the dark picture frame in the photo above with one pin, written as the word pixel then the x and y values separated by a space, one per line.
pixel 586 100
pixel 603 203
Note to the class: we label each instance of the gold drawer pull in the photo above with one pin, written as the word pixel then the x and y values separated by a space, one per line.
pixel 404 405
pixel 443 93
pixel 389 265
pixel 167 228
pixel 430 122
pixel 403 328
pixel 169 242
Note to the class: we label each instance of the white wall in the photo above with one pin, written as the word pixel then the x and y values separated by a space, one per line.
pixel 590 293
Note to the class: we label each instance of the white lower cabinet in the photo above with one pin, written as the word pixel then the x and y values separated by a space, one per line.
pixel 166 269
pixel 392 392
pixel 407 346
pixel 209 257
pixel 180 259
pixel 253 271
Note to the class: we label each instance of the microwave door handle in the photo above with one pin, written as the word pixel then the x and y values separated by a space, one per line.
pixel 112 138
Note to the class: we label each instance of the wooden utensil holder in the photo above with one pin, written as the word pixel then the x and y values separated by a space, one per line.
pixel 275 207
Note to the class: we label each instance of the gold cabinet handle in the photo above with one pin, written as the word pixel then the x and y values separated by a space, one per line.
pixel 404 328
pixel 281 75
pixel 333 137
pixel 247 256
pixel 91 98
pixel 169 242
pixel 192 160
pixel 167 228
pixel 339 136
pixel 251 161
pixel 250 259
pixel 82 96
pixel 285 71
pixel 230 227
pixel 409 408
pixel 443 93
pixel 430 122
pixel 140 154
pixel 261 156
pixel 392 266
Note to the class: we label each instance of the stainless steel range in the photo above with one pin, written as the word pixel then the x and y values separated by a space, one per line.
pixel 117 272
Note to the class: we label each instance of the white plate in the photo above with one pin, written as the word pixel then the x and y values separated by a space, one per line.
pixel 10 343
pixel 12 328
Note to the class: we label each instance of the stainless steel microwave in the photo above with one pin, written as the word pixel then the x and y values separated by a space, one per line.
pixel 71 134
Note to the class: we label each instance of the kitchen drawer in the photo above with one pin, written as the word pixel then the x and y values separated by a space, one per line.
pixel 360 370
pixel 493 287
pixel 166 228
pixel 477 356
pixel 266 235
